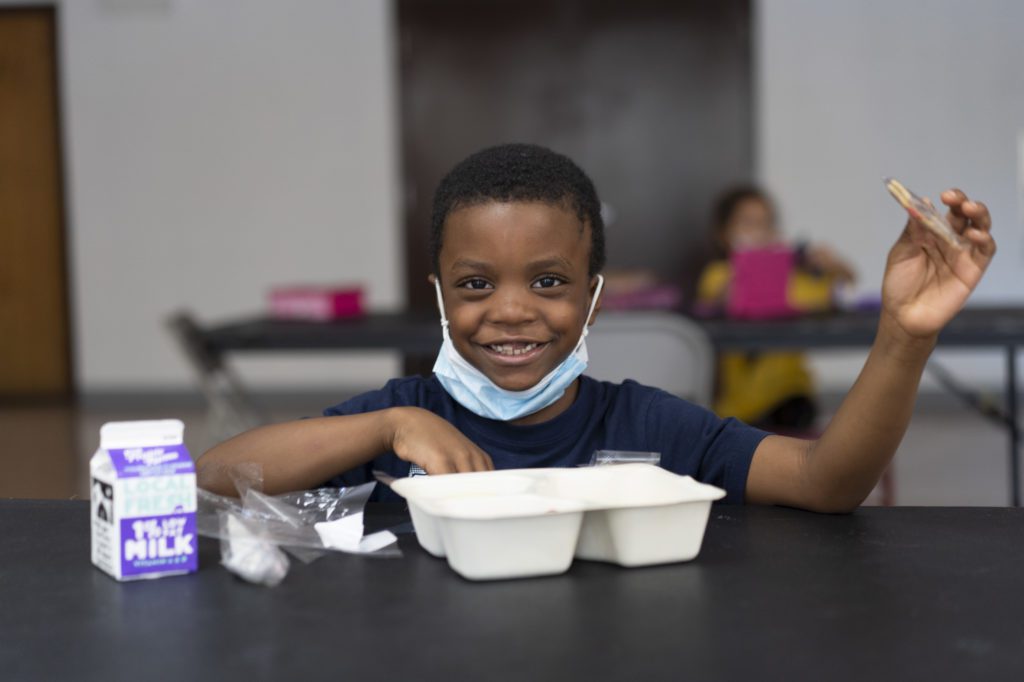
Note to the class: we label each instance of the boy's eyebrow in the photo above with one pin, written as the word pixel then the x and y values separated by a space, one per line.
pixel 472 265
pixel 552 262
pixel 541 264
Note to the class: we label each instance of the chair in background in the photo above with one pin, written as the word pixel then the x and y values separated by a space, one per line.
pixel 654 348
pixel 230 411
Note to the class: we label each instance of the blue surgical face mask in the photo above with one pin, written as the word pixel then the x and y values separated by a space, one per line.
pixel 473 390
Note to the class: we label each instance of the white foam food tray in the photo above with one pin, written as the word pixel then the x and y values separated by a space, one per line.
pixel 527 522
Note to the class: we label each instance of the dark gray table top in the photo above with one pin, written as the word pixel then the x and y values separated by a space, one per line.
pixel 972 327
pixel 420 333
pixel 902 593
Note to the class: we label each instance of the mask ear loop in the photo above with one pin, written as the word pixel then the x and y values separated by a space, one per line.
pixel 440 303
pixel 593 305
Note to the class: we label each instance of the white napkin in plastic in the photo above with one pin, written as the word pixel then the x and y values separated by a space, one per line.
pixel 249 556
pixel 346 534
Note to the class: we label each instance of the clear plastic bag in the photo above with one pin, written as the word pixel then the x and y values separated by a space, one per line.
pixel 603 457
pixel 255 528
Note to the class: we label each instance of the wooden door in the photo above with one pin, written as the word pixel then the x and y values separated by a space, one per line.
pixel 34 347
pixel 651 97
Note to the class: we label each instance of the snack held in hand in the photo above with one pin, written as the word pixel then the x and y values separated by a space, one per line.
pixel 921 210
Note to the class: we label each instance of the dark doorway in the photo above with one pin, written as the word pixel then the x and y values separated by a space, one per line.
pixel 651 97
pixel 34 330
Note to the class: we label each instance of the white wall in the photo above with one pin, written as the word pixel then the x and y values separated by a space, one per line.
pixel 929 92
pixel 215 149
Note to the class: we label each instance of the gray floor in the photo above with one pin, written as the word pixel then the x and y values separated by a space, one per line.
pixel 950 456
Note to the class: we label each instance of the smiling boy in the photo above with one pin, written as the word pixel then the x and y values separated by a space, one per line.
pixel 517 245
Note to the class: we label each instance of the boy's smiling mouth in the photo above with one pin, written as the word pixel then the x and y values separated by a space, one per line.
pixel 509 352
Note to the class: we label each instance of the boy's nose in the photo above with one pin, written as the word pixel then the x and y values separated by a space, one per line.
pixel 511 308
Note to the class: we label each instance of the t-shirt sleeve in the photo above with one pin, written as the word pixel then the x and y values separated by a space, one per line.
pixel 694 441
pixel 371 401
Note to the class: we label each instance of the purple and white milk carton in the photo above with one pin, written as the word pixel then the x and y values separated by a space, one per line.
pixel 143 501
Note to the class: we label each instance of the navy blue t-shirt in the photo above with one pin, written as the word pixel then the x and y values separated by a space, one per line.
pixel 604 416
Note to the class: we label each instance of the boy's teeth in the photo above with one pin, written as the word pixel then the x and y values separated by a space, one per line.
pixel 512 349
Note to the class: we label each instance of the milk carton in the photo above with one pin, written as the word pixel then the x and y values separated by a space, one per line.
pixel 143 501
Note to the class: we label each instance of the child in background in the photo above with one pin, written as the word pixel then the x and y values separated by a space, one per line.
pixel 517 248
pixel 773 391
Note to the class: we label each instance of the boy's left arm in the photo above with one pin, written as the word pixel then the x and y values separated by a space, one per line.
pixel 926 283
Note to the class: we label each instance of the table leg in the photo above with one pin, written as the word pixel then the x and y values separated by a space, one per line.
pixel 1013 423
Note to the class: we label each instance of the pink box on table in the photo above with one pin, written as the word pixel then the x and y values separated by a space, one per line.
pixel 316 303
pixel 760 283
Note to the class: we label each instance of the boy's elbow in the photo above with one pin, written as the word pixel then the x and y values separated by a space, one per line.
pixel 834 502
pixel 826 491
pixel 834 507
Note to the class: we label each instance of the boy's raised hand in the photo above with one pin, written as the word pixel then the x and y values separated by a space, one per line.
pixel 927 281
pixel 421 437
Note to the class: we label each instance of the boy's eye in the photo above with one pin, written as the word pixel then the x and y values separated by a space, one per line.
pixel 548 281
pixel 475 283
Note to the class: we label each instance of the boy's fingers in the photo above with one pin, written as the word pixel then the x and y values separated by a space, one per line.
pixel 485 463
pixel 972 214
pixel 440 465
pixel 456 459
pixel 982 241
pixel 481 461
pixel 959 223
pixel 470 459
pixel 463 462
pixel 978 214
pixel 953 198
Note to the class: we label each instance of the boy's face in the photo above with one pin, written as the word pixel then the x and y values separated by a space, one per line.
pixel 516 289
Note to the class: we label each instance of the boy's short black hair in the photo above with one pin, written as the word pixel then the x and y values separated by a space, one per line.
pixel 518 172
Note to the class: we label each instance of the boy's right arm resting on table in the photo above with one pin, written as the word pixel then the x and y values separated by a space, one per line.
pixel 303 454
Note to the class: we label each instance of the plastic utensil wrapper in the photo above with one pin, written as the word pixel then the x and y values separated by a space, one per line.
pixel 924 212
